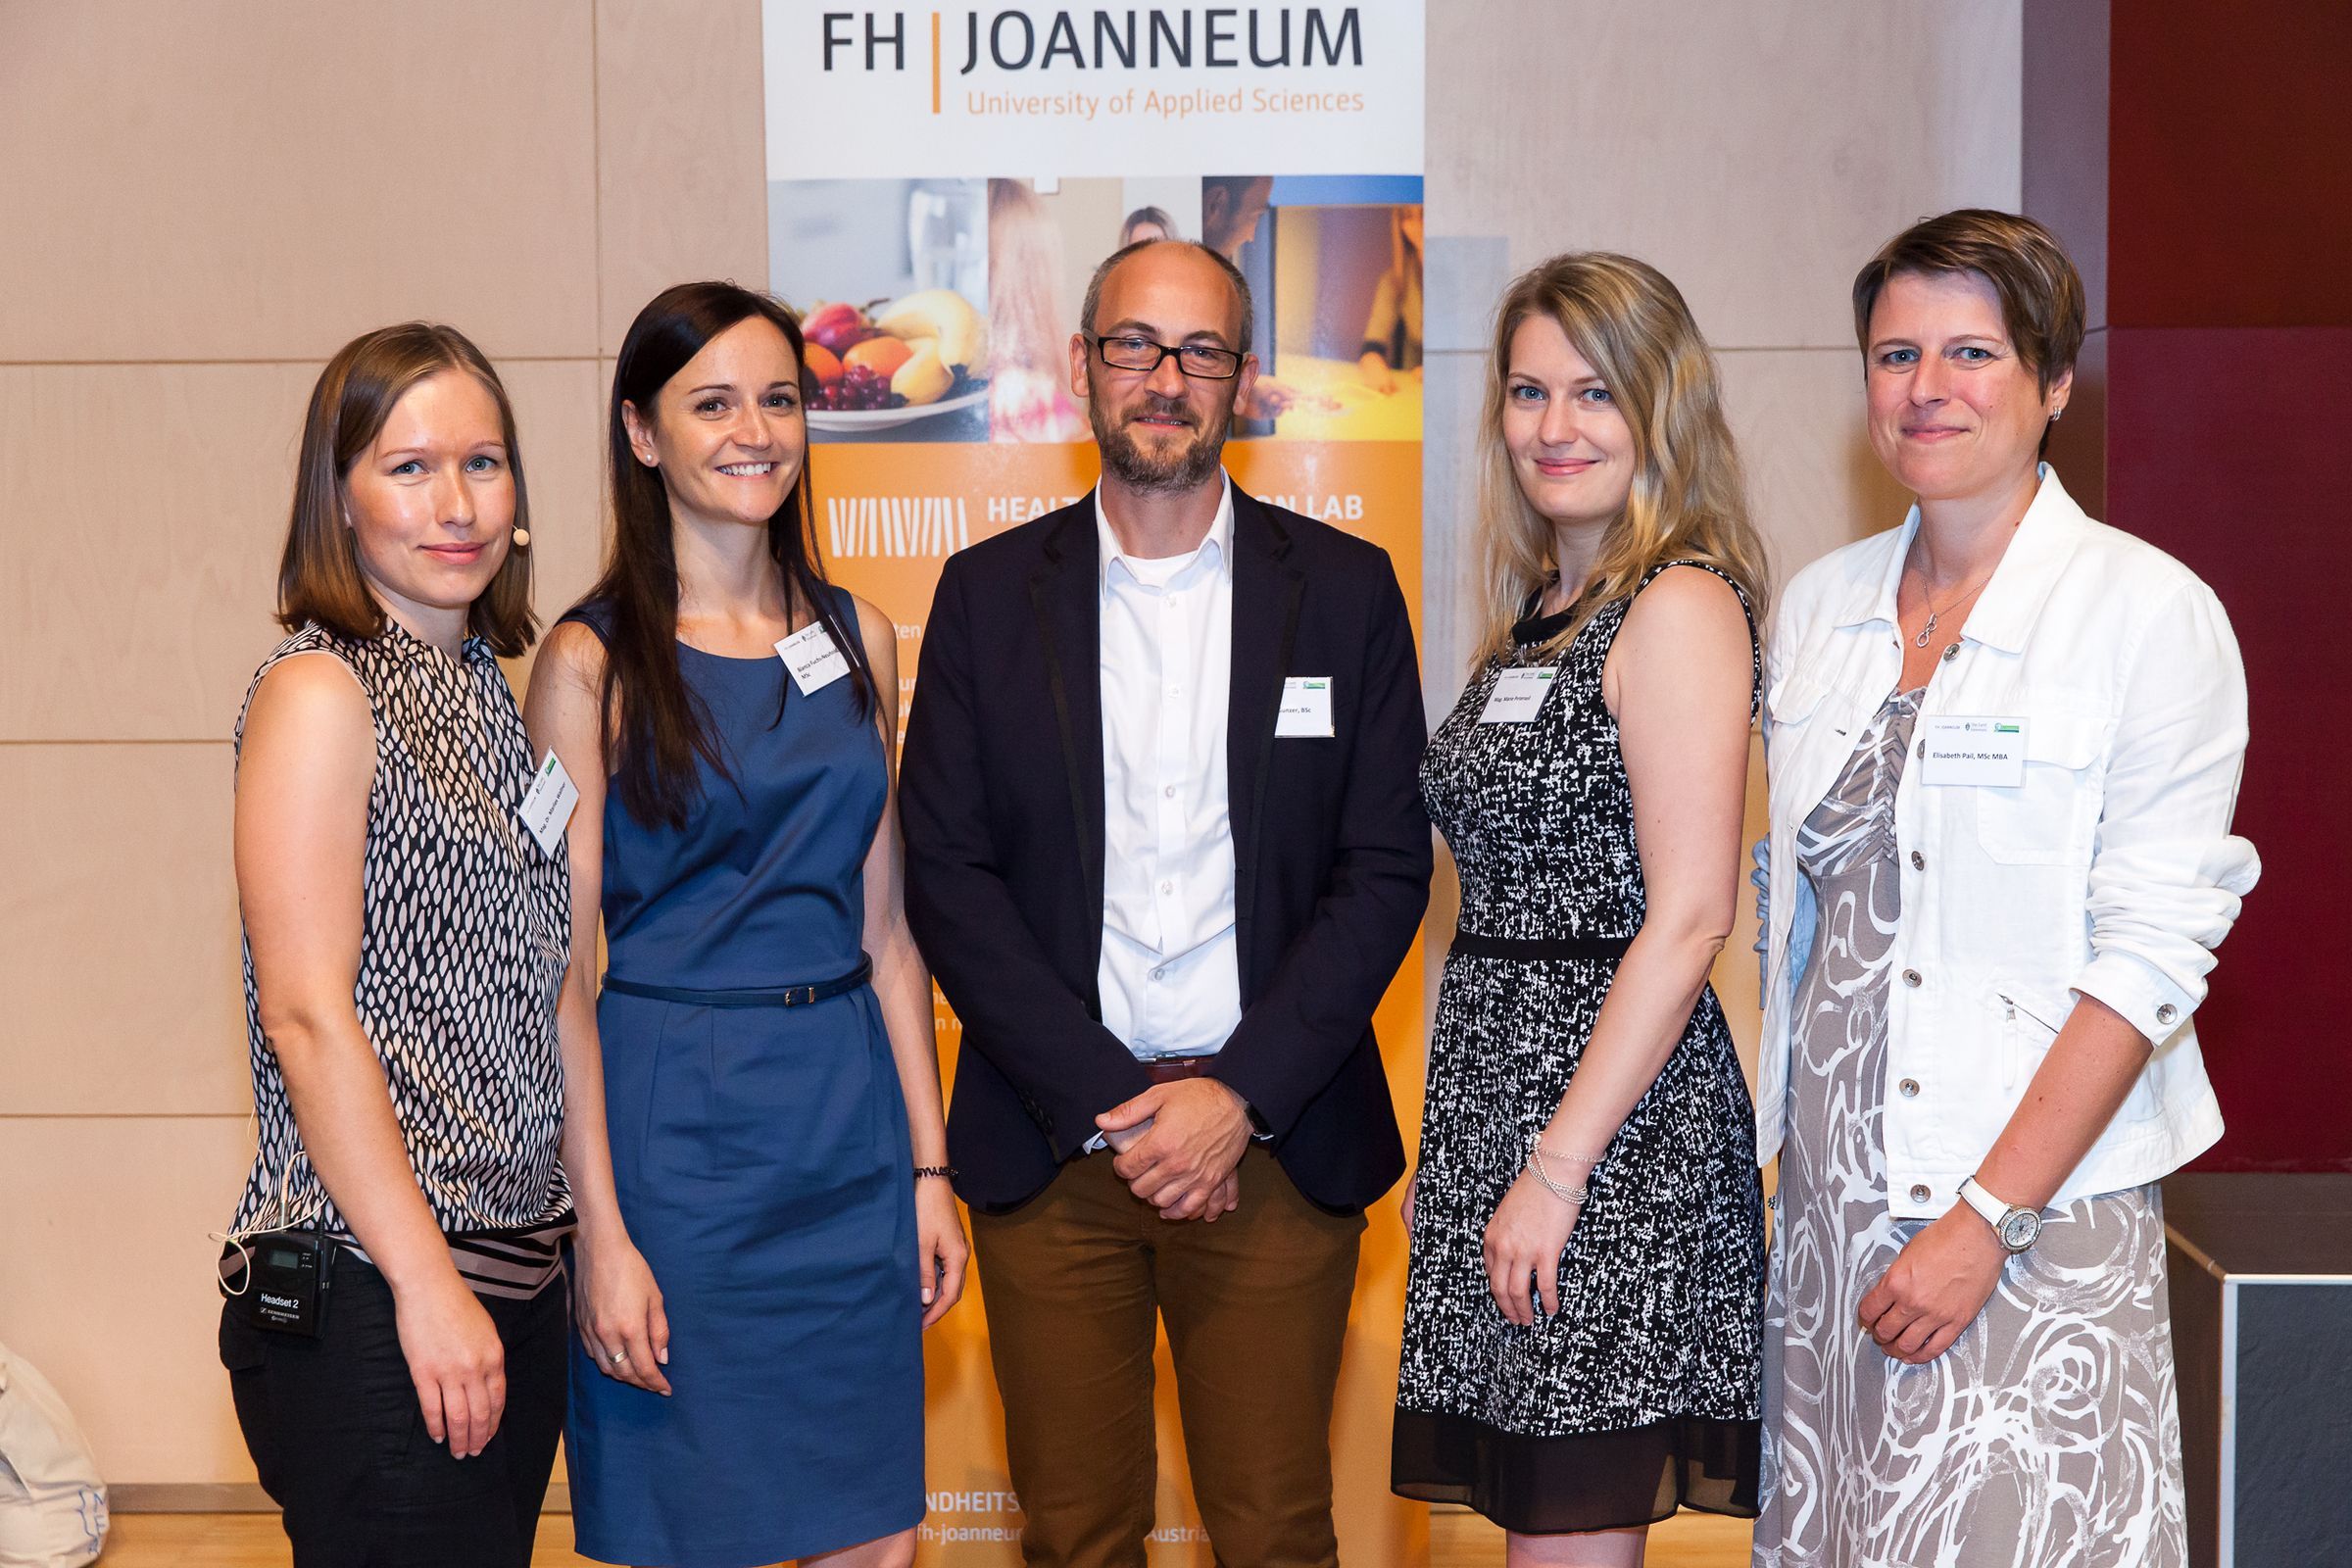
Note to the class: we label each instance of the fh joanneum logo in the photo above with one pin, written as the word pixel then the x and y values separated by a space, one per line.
pixel 1160 37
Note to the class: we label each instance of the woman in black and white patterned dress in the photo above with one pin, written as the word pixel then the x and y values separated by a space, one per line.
pixel 405 935
pixel 1581 1335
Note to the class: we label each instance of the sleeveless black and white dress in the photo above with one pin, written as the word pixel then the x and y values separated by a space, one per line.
pixel 1643 1395
pixel 466 931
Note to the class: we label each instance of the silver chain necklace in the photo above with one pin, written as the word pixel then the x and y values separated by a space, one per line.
pixel 1927 632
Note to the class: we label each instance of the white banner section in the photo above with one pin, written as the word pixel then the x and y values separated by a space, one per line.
pixel 975 91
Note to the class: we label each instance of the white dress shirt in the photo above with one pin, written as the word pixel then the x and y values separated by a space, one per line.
pixel 2108 871
pixel 1169 974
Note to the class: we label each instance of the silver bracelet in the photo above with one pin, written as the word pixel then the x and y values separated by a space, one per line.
pixel 1566 1194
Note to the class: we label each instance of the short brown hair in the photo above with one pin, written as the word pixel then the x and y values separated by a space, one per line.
pixel 318 577
pixel 2041 293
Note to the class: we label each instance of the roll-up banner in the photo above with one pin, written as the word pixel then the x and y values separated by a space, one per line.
pixel 942 183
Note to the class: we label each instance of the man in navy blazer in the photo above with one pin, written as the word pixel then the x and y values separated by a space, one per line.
pixel 1165 851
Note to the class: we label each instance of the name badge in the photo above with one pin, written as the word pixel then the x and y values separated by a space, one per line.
pixel 1305 706
pixel 547 805
pixel 1956 750
pixel 815 660
pixel 1518 696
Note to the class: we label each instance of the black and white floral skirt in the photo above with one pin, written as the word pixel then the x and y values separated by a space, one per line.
pixel 1643 1395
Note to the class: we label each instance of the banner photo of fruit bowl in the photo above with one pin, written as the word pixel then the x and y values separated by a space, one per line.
pixel 882 365
pixel 890 278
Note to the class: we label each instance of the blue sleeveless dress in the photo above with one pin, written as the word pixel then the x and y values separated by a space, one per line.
pixel 761 1158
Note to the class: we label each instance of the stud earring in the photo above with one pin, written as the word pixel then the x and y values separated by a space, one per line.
pixel 523 538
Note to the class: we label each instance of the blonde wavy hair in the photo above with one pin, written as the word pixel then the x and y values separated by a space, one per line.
pixel 1689 501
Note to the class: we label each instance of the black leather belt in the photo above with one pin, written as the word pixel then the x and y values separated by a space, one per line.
pixel 1607 950
pixel 784 996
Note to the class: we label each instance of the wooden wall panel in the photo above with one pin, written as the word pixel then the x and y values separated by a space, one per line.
pixel 118 950
pixel 168 535
pixel 681 152
pixel 235 180
pixel 108 1287
pixel 146 507
pixel 1757 154
pixel 1812 479
pixel 559 416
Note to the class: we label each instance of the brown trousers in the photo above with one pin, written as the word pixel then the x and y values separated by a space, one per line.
pixel 1256 1307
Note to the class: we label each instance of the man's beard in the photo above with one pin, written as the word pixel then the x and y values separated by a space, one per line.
pixel 1185 468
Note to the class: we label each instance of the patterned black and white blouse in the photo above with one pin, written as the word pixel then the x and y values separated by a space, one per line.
pixel 465 937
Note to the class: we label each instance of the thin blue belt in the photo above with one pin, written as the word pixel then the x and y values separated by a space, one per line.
pixel 787 996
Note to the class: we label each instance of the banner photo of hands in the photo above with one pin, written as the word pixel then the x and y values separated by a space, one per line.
pixel 942 185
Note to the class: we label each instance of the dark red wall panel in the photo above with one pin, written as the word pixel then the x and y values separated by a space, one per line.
pixel 2228 449
pixel 2229 172
pixel 2200 157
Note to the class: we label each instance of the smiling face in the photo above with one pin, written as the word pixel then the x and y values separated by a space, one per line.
pixel 1954 412
pixel 1570 446
pixel 431 504
pixel 727 432
pixel 1161 430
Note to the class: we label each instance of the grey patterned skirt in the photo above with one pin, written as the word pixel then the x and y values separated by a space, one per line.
pixel 2047 1436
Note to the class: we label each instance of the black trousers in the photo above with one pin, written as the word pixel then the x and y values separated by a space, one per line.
pixel 337 1432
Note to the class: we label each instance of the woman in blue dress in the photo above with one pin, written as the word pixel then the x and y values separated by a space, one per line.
pixel 767 1226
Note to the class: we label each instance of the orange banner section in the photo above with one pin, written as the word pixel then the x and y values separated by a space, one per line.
pixel 887 516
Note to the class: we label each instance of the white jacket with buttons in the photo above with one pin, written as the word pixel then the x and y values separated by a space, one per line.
pixel 2109 872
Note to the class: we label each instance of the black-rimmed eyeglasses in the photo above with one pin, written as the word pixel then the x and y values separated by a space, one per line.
pixel 1206 362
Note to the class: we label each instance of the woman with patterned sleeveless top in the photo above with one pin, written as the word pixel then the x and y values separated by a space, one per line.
pixel 765 1221
pixel 405 936
pixel 1586 1275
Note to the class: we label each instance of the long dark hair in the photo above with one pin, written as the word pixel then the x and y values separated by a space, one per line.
pixel 661 725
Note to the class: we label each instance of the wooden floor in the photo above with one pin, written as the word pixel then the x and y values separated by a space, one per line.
pixel 1462 1540
pixel 253 1540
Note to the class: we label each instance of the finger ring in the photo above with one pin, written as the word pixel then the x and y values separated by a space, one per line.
pixel 618 1356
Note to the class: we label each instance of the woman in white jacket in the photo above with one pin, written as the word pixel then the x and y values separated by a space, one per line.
pixel 2004 746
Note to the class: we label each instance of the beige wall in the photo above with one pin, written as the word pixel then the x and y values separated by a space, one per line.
pixel 205 199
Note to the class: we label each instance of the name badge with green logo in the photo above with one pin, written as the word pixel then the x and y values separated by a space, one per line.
pixel 1955 749
pixel 1306 707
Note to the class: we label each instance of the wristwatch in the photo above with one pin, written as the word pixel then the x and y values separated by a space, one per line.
pixel 2016 1228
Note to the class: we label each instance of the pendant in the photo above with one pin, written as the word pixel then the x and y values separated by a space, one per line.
pixel 1925 632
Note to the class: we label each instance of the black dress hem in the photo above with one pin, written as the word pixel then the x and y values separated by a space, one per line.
pixel 1582 1481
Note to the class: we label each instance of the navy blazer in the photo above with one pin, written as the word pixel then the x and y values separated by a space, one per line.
pixel 1001 800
